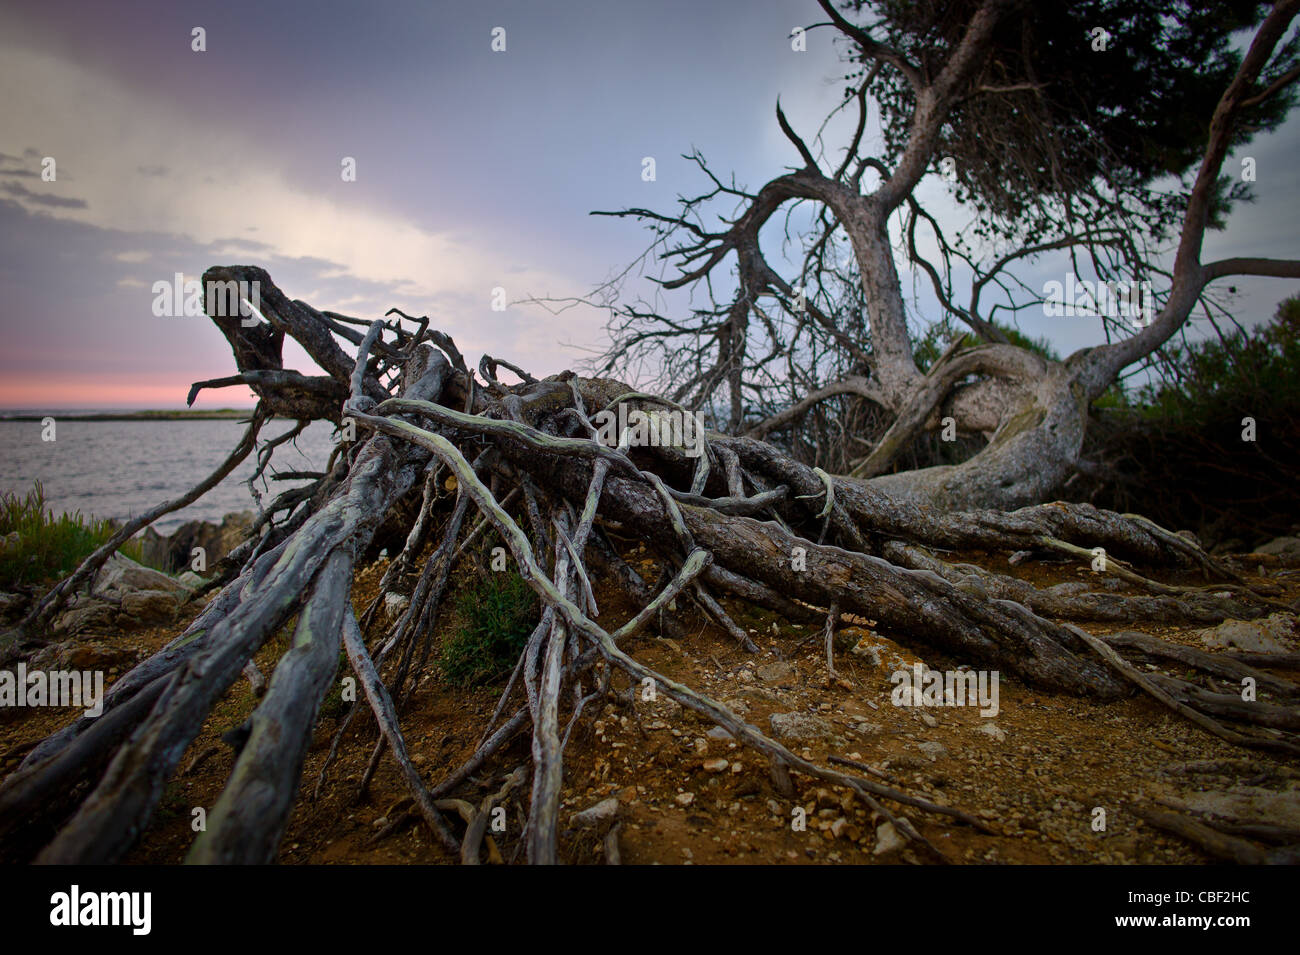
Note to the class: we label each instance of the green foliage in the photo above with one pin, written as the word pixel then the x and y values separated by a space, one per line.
pixel 1075 115
pixel 1244 373
pixel 938 337
pixel 48 547
pixel 497 612
pixel 1181 451
pixel 1114 398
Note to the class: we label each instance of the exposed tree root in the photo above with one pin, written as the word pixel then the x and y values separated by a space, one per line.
pixel 739 518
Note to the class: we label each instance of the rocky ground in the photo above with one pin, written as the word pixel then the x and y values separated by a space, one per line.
pixel 1043 775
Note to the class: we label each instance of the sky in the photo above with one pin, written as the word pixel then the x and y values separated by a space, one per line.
pixel 475 170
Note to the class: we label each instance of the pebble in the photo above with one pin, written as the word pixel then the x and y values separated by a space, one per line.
pixel 887 839
pixel 777 672
pixel 602 812
pixel 798 726
pixel 934 749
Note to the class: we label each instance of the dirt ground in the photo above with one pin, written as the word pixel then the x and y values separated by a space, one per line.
pixel 1036 774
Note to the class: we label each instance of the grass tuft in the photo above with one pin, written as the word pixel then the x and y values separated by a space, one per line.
pixel 37 546
pixel 497 613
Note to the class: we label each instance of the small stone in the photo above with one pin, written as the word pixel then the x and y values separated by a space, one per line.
pixel 798 726
pixel 838 827
pixel 934 749
pixel 716 765
pixel 992 729
pixel 604 811
pixel 887 839
pixel 190 580
pixel 684 799
pixel 777 672
pixel 929 720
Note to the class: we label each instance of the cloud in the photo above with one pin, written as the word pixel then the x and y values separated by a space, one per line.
pixel 219 183
pixel 42 199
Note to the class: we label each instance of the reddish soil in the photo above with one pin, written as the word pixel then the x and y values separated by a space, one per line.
pixel 1036 781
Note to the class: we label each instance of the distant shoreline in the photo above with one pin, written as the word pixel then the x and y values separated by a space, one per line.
pixel 177 414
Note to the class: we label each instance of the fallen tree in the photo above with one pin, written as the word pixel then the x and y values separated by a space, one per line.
pixel 731 515
pixel 741 519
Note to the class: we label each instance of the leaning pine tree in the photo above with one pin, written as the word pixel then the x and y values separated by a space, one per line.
pixel 746 518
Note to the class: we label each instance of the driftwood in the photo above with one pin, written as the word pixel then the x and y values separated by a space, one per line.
pixel 742 520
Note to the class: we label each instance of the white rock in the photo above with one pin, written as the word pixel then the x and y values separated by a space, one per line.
pixel 887 839
pixel 604 811
pixel 1276 634
pixel 120 575
pixel 798 726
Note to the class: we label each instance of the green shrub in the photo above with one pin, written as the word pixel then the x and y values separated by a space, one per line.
pixel 1213 445
pixel 936 339
pixel 497 613
pixel 47 547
